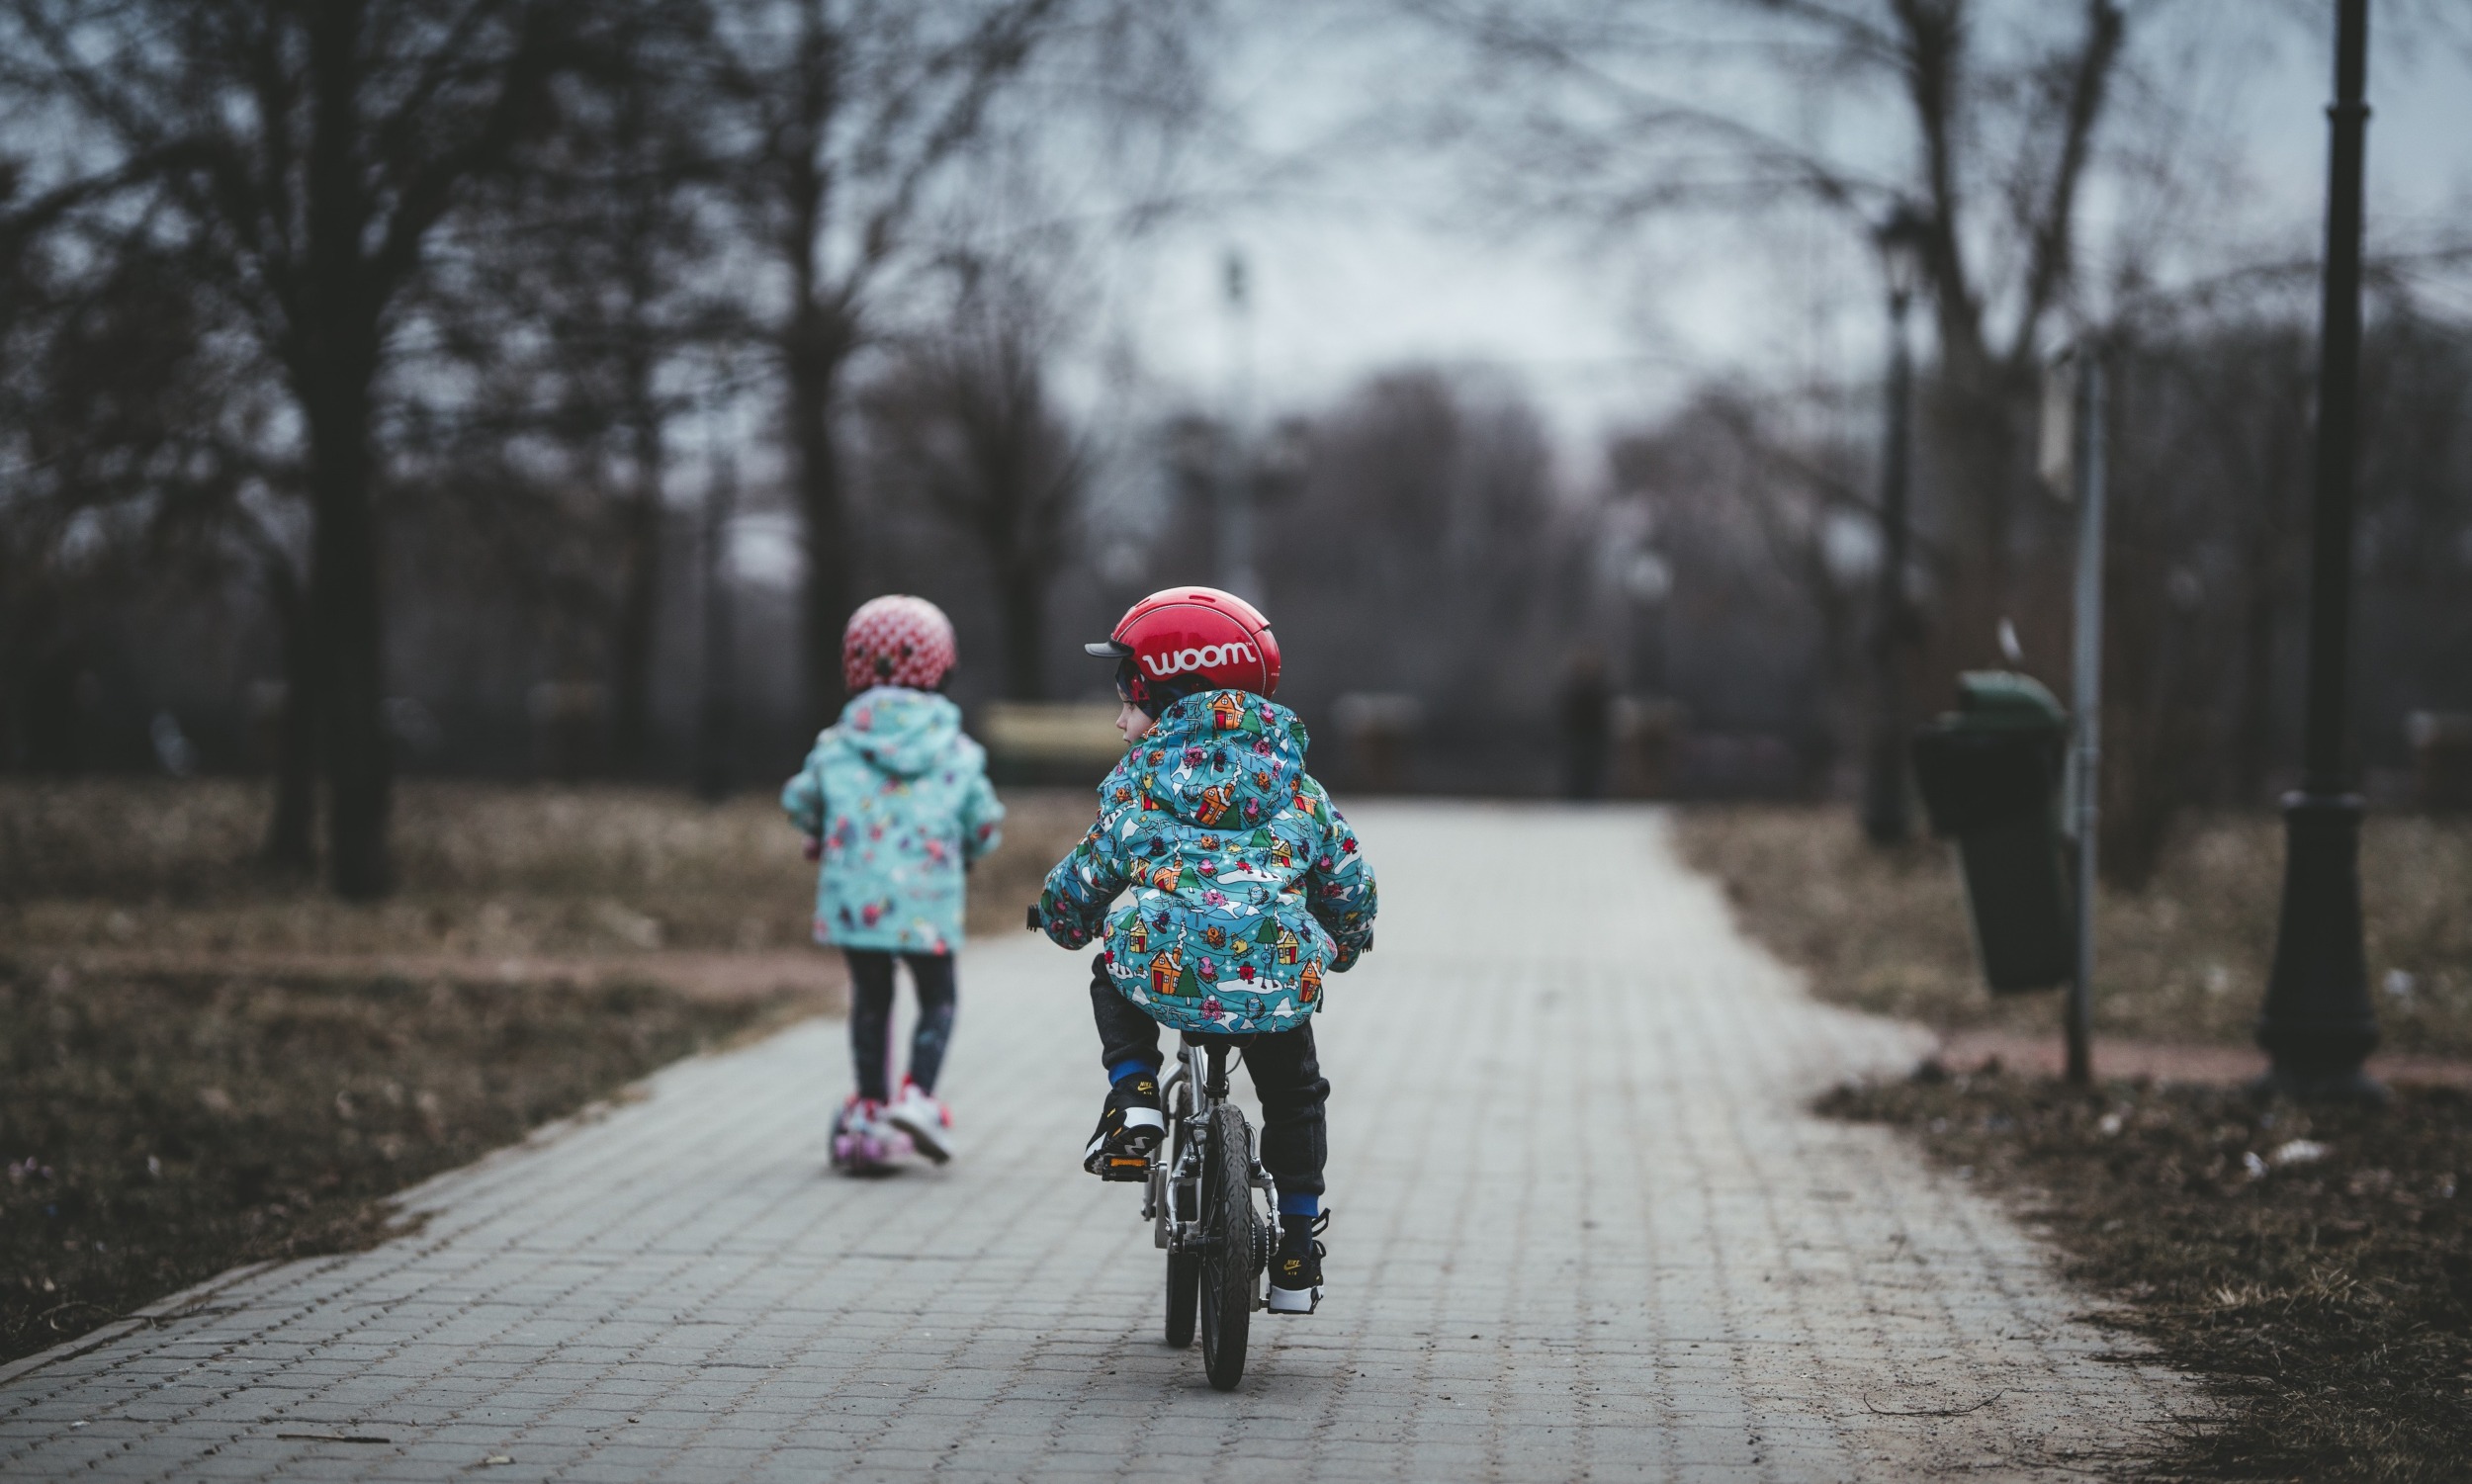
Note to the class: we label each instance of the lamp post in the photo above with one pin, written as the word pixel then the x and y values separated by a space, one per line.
pixel 2088 469
pixel 1237 572
pixel 1900 241
pixel 2316 1024
pixel 1647 579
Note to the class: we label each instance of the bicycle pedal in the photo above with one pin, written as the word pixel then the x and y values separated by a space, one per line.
pixel 1123 1169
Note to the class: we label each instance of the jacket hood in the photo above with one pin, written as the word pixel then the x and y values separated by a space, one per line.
pixel 901 731
pixel 1219 758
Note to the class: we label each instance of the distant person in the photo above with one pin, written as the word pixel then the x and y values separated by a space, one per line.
pixel 896 804
pixel 1587 715
pixel 1246 886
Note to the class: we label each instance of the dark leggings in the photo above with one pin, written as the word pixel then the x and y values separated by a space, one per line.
pixel 871 1017
pixel 1287 1076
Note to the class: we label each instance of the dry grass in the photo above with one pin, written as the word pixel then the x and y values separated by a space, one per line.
pixel 2184 961
pixel 2326 1293
pixel 485 869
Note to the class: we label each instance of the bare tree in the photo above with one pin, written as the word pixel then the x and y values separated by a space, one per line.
pixel 113 400
pixel 965 422
pixel 137 435
pixel 314 149
pixel 1765 515
pixel 604 245
pixel 1618 114
pixel 1428 549
pixel 850 116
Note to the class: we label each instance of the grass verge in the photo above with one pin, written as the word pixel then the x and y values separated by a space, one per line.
pixel 160 1129
pixel 2314 1265
pixel 484 870
pixel 2182 961
pixel 2310 1265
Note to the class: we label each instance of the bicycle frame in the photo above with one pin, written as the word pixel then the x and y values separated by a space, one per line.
pixel 1171 1199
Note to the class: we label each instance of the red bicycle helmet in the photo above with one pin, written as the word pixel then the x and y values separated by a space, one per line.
pixel 1190 639
pixel 897 639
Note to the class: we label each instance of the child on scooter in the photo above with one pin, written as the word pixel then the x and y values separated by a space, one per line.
pixel 895 804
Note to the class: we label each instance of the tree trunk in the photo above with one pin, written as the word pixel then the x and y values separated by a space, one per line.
pixel 343 603
pixel 334 358
pixel 2255 712
pixel 817 350
pixel 290 832
pixel 639 597
pixel 1978 464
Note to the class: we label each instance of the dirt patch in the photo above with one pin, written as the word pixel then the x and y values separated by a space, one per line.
pixel 2174 1061
pixel 811 976
pixel 2313 1265
pixel 485 872
pixel 2182 962
pixel 160 1128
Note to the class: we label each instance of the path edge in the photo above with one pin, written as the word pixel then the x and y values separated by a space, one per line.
pixel 189 1299
pixel 411 1207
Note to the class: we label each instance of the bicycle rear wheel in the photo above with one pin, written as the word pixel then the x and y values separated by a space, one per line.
pixel 1184 1293
pixel 1227 1224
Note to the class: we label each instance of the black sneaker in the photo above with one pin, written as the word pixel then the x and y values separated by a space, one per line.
pixel 1130 1126
pixel 1296 1267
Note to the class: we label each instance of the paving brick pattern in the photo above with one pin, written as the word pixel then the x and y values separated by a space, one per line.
pixel 1584 1230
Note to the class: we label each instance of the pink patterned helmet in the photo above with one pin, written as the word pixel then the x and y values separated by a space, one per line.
pixel 897 639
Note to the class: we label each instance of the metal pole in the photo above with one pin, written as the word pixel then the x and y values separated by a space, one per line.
pixel 1235 535
pixel 1884 811
pixel 2317 1022
pixel 2087 667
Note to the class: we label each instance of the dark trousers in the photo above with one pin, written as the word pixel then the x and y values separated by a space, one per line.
pixel 1287 1076
pixel 871 1017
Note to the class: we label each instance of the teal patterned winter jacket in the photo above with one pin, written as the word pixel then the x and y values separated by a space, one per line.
pixel 900 800
pixel 1247 888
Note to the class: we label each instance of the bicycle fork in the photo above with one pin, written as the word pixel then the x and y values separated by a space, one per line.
pixel 1171 1198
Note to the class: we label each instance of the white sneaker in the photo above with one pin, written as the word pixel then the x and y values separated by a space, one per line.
pixel 927 1122
pixel 1296 1271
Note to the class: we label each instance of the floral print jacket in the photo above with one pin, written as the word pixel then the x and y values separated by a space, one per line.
pixel 1246 886
pixel 900 800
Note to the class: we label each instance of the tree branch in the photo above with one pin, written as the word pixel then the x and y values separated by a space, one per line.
pixel 1934 45
pixel 2052 235
pixel 429 192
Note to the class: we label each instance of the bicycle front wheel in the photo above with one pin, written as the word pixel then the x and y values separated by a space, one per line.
pixel 1227 1224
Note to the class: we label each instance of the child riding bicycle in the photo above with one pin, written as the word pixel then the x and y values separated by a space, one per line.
pixel 1246 890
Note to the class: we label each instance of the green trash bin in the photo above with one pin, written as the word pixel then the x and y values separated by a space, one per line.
pixel 1990 773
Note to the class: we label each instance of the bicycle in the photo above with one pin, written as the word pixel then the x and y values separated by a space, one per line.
pixel 1200 1199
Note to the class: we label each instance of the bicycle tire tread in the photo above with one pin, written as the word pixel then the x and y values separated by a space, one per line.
pixel 1226 1264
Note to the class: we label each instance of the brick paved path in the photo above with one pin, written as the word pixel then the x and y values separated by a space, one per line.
pixel 1584 1231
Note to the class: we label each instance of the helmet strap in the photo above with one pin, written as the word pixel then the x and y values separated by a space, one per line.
pixel 1133 687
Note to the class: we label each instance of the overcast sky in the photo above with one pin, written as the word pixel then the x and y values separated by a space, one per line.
pixel 1374 259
